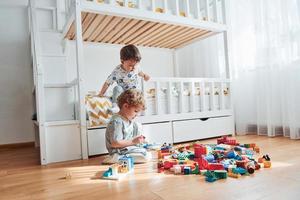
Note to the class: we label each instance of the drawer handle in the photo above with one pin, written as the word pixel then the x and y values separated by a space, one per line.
pixel 204 119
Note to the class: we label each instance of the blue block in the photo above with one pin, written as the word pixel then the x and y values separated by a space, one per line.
pixel 231 154
pixel 107 173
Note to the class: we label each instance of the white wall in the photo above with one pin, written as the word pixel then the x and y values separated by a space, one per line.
pixel 204 58
pixel 101 59
pixel 15 74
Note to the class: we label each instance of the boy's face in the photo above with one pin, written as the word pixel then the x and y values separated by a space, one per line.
pixel 129 65
pixel 131 112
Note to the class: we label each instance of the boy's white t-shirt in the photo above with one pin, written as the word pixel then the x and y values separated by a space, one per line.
pixel 119 129
pixel 127 80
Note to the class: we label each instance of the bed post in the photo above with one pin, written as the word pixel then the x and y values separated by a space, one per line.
pixel 226 39
pixel 227 43
pixel 80 76
pixel 40 90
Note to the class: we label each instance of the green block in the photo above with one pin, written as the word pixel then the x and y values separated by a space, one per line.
pixel 220 174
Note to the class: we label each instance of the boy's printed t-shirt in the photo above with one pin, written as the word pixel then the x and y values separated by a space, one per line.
pixel 127 80
pixel 119 129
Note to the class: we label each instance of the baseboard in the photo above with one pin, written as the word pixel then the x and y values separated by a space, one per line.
pixel 16 145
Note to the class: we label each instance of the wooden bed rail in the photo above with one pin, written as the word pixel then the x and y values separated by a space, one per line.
pixel 205 10
pixel 186 95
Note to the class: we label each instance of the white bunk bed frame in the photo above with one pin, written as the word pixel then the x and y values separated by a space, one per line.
pixel 105 22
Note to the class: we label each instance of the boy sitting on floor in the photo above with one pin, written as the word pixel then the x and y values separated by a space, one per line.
pixel 122 133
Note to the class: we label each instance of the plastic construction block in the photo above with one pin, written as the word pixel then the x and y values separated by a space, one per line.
pixel 238 149
pixel 238 157
pixel 231 142
pixel 160 163
pixel 203 164
pixel 252 145
pixel 231 154
pixel 166 146
pixel 199 150
pixel 191 156
pixel 256 149
pixel 267 164
pixel 210 176
pixel 220 174
pixel 233 175
pixel 260 160
pixel 169 164
pixel 177 169
pixel 239 170
pixel 266 157
pixel 226 140
pixel 196 170
pixel 250 166
pixel 182 156
pixel 107 173
pixel 215 166
pixel 257 166
pixel 222 140
pixel 210 158
pixel 187 170
pixel 126 163
pixel 218 155
pixel 251 170
pixel 241 163
pixel 161 155
pixel 210 179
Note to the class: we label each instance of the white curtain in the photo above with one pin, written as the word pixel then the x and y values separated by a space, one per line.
pixel 265 53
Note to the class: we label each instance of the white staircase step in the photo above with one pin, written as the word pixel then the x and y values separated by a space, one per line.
pixel 51 44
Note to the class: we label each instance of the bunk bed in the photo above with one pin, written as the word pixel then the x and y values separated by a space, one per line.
pixel 163 24
pixel 179 109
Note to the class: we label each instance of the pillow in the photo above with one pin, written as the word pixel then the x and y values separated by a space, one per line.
pixel 98 110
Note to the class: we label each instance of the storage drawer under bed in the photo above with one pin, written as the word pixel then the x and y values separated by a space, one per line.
pixel 202 128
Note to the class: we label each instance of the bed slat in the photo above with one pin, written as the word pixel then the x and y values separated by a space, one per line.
pixel 121 30
pixel 91 28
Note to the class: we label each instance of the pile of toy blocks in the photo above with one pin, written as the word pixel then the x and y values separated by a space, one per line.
pixel 215 161
pixel 120 169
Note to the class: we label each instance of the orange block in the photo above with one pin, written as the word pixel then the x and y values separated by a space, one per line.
pixel 267 164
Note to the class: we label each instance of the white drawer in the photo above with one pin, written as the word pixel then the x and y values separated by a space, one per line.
pixel 222 126
pixel 96 141
pixel 200 129
pixel 190 130
pixel 158 132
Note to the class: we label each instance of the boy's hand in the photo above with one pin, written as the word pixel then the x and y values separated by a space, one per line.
pixel 138 140
pixel 146 77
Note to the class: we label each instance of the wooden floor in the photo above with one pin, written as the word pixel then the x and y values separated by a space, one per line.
pixel 21 177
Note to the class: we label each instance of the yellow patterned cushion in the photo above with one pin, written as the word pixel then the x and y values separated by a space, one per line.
pixel 97 110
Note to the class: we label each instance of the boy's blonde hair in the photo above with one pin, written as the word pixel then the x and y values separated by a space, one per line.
pixel 132 97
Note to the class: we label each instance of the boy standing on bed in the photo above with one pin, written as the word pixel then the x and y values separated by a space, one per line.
pixel 126 74
pixel 122 133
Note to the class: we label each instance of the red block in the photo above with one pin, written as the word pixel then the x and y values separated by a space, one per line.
pixel 203 164
pixel 221 140
pixel 199 150
pixel 169 164
pixel 241 163
pixel 215 166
